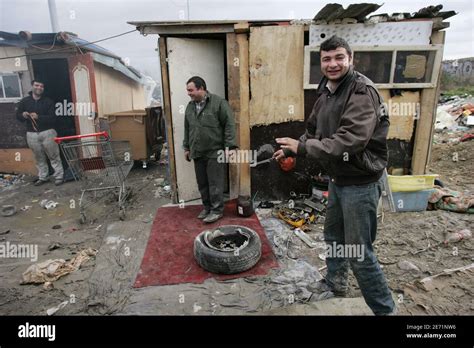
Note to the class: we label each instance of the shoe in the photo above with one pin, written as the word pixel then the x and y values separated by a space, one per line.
pixel 58 182
pixel 323 286
pixel 203 214
pixel 212 217
pixel 39 182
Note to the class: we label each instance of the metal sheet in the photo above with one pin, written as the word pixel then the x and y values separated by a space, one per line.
pixel 389 33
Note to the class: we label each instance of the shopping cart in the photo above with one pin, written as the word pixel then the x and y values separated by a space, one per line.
pixel 101 165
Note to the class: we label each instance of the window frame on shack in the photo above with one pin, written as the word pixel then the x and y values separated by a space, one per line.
pixel 437 48
pixel 3 98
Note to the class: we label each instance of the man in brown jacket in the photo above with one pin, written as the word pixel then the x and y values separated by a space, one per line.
pixel 346 132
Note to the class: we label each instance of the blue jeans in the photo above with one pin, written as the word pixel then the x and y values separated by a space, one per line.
pixel 351 225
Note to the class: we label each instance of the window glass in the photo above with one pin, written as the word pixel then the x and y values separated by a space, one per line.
pixel 375 65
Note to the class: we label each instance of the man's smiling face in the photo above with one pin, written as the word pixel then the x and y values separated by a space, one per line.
pixel 335 63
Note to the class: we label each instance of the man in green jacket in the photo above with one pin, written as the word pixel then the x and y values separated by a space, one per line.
pixel 209 128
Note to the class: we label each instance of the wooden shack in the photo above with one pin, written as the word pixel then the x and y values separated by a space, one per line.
pixel 268 71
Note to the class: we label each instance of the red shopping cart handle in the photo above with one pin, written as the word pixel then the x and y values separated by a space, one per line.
pixel 80 136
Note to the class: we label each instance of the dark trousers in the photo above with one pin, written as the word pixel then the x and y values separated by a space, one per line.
pixel 351 220
pixel 210 179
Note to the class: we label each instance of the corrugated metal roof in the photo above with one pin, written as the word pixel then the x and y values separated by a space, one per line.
pixel 337 11
pixel 61 40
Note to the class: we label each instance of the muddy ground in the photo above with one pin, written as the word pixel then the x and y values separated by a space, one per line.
pixel 103 285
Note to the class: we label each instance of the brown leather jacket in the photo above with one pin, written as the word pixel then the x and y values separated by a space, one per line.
pixel 347 131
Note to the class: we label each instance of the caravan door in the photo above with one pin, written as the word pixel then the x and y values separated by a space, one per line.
pixel 84 97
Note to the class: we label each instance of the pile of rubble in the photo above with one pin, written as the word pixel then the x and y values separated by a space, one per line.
pixel 455 113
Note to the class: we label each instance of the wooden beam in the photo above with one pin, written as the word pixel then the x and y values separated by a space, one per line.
pixel 187 30
pixel 233 93
pixel 168 117
pixel 425 125
pixel 244 115
pixel 242 27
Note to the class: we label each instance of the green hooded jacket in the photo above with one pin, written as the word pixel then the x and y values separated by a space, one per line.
pixel 211 130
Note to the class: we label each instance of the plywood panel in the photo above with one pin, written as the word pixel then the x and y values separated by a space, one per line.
pixel 17 161
pixel 403 111
pixel 13 64
pixel 276 74
pixel 115 92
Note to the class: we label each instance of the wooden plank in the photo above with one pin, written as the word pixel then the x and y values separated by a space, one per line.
pixel 242 27
pixel 233 94
pixel 425 125
pixel 402 111
pixel 244 115
pixel 437 38
pixel 276 74
pixel 168 118
pixel 17 161
pixel 187 30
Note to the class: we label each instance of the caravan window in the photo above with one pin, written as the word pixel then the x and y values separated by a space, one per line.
pixel 10 86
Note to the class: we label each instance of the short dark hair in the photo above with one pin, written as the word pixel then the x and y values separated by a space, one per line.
pixel 198 82
pixel 334 42
pixel 37 81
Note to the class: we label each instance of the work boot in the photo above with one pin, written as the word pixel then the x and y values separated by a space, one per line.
pixel 39 182
pixel 203 214
pixel 212 217
pixel 58 182
pixel 323 286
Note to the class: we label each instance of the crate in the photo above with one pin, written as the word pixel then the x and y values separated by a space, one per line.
pixel 411 183
pixel 411 201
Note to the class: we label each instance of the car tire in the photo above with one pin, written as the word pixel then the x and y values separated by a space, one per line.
pixel 228 262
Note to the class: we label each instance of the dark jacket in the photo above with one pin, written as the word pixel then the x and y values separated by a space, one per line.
pixel 347 131
pixel 211 130
pixel 44 107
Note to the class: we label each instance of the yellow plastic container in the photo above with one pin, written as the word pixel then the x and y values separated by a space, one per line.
pixel 410 183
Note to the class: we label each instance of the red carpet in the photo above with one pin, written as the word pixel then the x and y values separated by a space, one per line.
pixel 169 255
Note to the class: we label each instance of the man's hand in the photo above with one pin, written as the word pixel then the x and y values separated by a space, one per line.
pixel 34 115
pixel 288 143
pixel 25 114
pixel 186 156
pixel 278 155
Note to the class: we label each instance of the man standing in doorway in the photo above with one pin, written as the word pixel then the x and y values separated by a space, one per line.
pixel 37 111
pixel 209 127
pixel 347 134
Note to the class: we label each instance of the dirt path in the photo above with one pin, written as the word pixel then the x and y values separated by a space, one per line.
pixel 103 285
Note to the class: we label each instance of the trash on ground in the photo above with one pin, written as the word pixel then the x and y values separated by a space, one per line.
pixel 407 266
pixel 427 283
pixel 454 112
pixel 8 210
pixel 52 270
pixel 446 199
pixel 7 180
pixel 54 246
pixel 454 237
pixel 48 286
pixel 305 238
pixel 48 204
pixel 53 310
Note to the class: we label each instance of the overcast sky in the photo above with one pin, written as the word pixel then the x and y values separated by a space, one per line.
pixel 97 19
